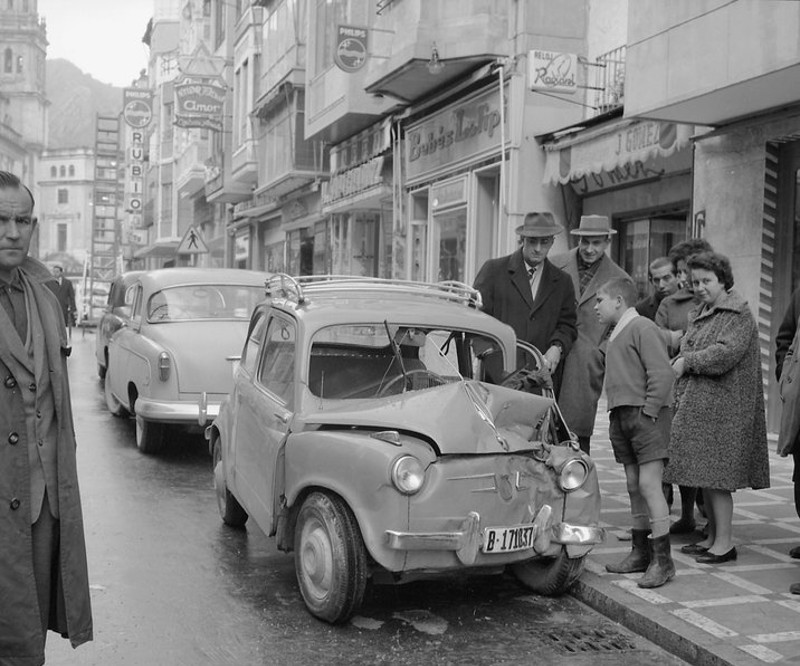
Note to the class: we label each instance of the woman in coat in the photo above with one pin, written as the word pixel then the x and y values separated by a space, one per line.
pixel 719 438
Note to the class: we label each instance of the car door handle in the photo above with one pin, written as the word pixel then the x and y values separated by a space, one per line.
pixel 283 418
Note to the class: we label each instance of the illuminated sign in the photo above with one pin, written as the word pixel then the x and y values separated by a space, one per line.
pixel 199 103
pixel 351 47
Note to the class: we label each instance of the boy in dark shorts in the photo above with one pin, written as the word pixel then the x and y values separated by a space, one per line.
pixel 638 385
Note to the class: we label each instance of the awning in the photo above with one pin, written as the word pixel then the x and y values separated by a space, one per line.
pixel 610 147
pixel 166 248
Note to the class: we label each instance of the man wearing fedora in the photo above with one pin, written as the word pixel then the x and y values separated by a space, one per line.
pixel 589 267
pixel 525 291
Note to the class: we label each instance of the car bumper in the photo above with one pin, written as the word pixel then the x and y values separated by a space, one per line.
pixel 466 541
pixel 203 411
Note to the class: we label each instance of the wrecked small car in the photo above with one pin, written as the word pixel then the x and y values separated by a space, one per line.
pixel 368 430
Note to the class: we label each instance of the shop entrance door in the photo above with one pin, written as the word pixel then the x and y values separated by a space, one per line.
pixel 786 264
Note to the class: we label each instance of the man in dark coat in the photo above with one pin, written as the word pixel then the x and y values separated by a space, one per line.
pixel 589 267
pixel 789 442
pixel 525 291
pixel 65 293
pixel 43 576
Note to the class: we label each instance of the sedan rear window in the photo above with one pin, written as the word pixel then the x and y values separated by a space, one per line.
pixel 190 302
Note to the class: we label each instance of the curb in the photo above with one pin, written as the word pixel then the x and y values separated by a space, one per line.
pixel 602 597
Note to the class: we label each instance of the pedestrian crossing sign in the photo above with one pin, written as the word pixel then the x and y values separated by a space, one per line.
pixel 192 242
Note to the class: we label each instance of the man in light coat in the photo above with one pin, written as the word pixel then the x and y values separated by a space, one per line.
pixel 525 291
pixel 43 576
pixel 589 267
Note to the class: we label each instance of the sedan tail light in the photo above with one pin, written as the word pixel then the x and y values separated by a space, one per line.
pixel 164 366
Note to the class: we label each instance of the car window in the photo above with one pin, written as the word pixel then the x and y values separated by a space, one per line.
pixel 277 365
pixel 203 301
pixel 253 342
pixel 134 296
pixel 376 360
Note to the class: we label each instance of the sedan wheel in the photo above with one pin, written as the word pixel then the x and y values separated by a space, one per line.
pixel 149 435
pixel 114 406
pixel 329 558
pixel 229 508
pixel 550 576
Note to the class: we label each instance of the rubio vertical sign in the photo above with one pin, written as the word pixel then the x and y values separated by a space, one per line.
pixel 137 111
pixel 199 103
pixel 351 47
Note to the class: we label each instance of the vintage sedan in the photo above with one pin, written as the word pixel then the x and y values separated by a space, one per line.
pixel 371 430
pixel 115 315
pixel 170 363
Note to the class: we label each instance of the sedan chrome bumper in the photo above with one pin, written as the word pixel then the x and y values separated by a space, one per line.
pixel 467 540
pixel 201 412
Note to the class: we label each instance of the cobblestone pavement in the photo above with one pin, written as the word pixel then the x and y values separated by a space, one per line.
pixel 735 613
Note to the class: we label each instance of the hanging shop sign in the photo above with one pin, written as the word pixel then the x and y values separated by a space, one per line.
pixel 462 132
pixel 199 103
pixel 137 107
pixel 353 181
pixel 622 150
pixel 351 47
pixel 551 71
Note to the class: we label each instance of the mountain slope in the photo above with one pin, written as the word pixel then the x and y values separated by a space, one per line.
pixel 76 98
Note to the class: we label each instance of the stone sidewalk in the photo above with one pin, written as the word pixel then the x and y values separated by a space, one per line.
pixel 735 613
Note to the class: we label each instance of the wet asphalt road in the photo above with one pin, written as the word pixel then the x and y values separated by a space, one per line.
pixel 171 585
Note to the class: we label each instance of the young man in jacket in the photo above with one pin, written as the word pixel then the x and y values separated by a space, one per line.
pixel 43 577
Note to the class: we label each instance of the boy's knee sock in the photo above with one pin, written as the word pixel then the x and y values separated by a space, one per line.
pixel 659 526
pixel 640 521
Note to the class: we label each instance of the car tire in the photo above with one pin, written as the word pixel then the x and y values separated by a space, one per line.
pixel 114 406
pixel 149 435
pixel 551 576
pixel 233 514
pixel 329 558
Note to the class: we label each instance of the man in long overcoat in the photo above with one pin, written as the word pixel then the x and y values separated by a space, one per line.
pixel 525 291
pixel 43 575
pixel 65 293
pixel 589 267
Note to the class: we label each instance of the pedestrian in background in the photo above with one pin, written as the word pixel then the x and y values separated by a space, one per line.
pixel 673 316
pixel 638 384
pixel 65 293
pixel 525 291
pixel 719 437
pixel 787 370
pixel 589 267
pixel 662 275
pixel 43 578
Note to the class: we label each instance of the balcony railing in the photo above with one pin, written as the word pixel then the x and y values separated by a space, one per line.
pixel 610 79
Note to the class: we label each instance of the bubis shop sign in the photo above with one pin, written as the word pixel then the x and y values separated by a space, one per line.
pixel 200 103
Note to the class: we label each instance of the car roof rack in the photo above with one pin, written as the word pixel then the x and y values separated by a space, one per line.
pixel 298 289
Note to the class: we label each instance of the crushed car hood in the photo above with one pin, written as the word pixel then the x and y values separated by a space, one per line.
pixel 467 417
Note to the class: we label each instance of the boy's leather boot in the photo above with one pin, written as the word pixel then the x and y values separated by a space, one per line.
pixel 661 568
pixel 639 557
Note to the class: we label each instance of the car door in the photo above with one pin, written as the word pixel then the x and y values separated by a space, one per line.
pixel 264 407
pixel 120 361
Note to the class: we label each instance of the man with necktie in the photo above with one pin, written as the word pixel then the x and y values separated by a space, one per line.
pixel 525 291
pixel 43 576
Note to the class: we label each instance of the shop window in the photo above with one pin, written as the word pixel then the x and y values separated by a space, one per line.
pixel 643 240
pixel 63 195
pixel 321 245
pixel 419 236
pixel 273 257
pixel 450 245
pixel 300 252
pixel 365 244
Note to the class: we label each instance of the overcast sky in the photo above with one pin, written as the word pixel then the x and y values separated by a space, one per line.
pixel 102 37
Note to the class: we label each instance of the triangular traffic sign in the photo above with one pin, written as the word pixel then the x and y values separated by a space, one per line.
pixel 192 243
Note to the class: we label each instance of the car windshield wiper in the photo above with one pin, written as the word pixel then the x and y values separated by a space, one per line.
pixel 396 351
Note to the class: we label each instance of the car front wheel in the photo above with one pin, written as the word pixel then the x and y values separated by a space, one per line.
pixel 149 435
pixel 550 576
pixel 114 406
pixel 329 558
pixel 232 512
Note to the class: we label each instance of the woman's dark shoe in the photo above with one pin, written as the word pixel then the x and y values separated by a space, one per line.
pixel 794 588
pixel 710 558
pixel 682 527
pixel 795 552
pixel 694 549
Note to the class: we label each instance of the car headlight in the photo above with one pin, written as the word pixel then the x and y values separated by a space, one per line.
pixel 408 475
pixel 573 475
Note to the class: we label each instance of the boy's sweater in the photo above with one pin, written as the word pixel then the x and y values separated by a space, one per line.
pixel 638 370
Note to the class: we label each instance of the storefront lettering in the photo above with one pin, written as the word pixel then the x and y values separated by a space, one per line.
pixel 353 181
pixel 625 173
pixel 461 126
pixel 639 137
pixel 557 71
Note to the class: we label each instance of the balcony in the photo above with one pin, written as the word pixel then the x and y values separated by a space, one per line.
pixel 609 81
pixel 220 187
pixel 190 170
pixel 244 166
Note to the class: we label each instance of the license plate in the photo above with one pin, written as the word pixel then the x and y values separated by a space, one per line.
pixel 508 539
